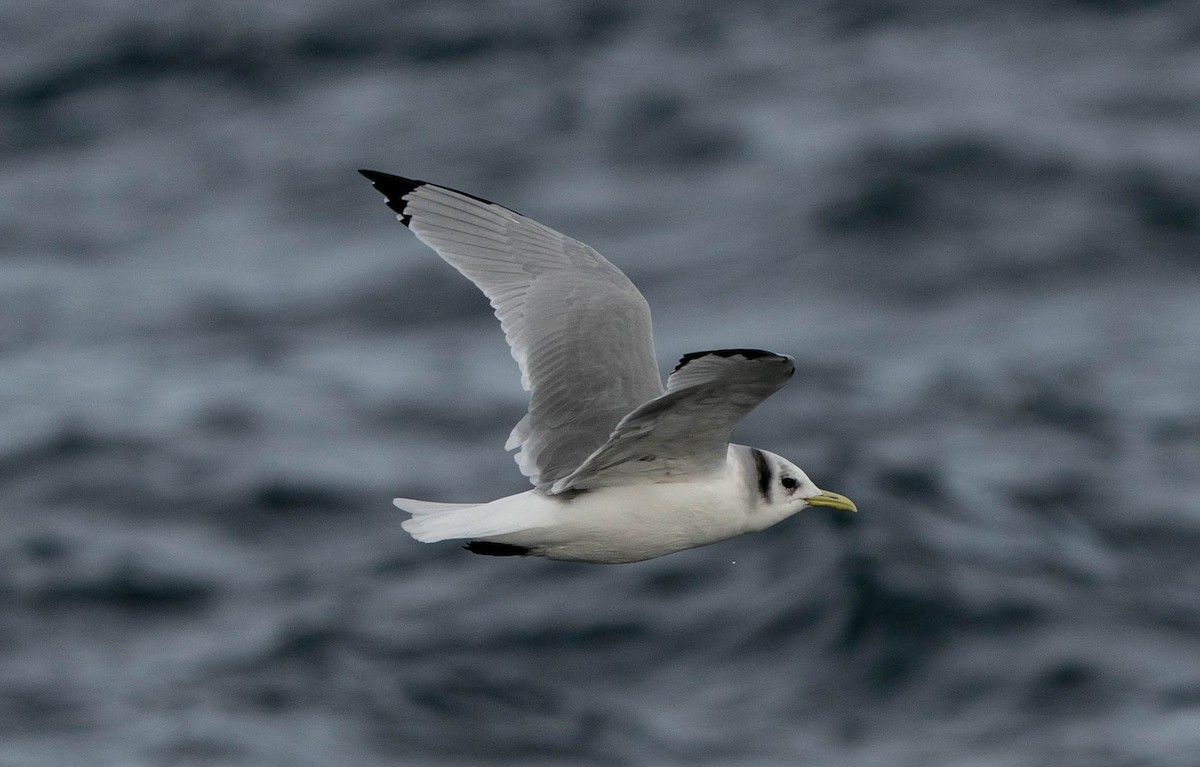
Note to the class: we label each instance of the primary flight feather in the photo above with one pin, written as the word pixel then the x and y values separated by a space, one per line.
pixel 622 469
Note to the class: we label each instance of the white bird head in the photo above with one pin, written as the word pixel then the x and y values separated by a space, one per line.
pixel 781 488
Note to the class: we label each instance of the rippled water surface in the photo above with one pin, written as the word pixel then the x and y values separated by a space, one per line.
pixel 976 228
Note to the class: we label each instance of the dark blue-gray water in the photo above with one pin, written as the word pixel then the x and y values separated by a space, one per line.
pixel 976 227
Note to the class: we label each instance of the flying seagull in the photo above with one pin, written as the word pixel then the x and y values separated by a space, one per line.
pixel 622 469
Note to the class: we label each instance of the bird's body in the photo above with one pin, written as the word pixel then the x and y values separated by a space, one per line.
pixel 624 523
pixel 623 470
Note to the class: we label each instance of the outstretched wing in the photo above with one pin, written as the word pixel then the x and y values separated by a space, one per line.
pixel 578 328
pixel 686 430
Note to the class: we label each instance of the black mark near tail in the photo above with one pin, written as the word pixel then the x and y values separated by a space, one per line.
pixel 496 549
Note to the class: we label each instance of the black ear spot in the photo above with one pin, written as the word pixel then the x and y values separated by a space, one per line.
pixel 791 483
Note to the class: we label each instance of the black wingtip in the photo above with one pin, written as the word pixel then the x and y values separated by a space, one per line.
pixel 750 354
pixel 492 549
pixel 393 188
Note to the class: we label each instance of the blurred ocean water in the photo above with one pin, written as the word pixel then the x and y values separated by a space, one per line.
pixel 976 227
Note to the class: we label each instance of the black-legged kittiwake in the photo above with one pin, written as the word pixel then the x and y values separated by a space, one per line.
pixel 622 470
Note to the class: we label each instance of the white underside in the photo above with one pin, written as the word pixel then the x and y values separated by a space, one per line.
pixel 623 524
pixel 614 524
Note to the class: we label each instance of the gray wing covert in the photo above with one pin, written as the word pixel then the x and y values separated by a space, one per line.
pixel 686 430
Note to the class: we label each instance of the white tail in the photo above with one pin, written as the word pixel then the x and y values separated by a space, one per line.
pixel 432 522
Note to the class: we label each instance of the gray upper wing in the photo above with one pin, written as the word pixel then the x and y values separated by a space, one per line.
pixel 686 430
pixel 577 327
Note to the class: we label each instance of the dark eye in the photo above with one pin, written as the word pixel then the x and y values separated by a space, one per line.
pixel 791 483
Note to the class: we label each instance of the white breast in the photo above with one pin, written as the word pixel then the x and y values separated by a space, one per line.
pixel 635 522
